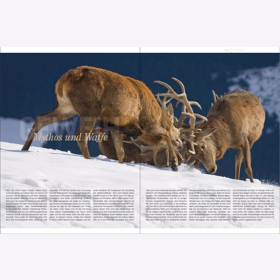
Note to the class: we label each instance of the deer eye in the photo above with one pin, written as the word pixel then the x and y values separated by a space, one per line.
pixel 202 147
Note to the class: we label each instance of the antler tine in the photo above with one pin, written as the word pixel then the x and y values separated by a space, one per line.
pixel 180 83
pixel 188 140
pixel 184 115
pixel 214 96
pixel 179 154
pixel 196 104
pixel 201 117
pixel 200 122
pixel 165 85
pixel 191 142
pixel 163 102
pixel 191 103
pixel 167 156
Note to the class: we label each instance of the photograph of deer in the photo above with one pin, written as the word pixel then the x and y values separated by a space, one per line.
pixel 98 95
pixel 159 155
pixel 235 121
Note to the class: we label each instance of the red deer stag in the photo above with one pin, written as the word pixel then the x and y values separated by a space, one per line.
pixel 235 121
pixel 159 155
pixel 98 95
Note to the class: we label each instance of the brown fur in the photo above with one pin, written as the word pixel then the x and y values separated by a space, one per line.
pixel 132 152
pixel 98 95
pixel 235 121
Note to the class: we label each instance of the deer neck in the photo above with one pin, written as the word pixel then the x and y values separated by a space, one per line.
pixel 166 121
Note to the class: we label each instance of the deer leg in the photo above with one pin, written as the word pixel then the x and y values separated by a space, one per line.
pixel 247 159
pixel 238 162
pixel 83 134
pixel 191 162
pixel 118 142
pixel 173 156
pixel 41 121
pixel 196 164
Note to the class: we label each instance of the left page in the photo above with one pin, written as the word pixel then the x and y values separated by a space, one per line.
pixel 50 181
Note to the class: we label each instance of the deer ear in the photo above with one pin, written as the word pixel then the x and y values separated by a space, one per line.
pixel 208 132
pixel 170 110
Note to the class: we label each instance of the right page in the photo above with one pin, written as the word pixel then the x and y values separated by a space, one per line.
pixel 225 103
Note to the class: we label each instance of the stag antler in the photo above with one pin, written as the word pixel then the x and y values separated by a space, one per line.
pixel 187 111
pixel 216 97
pixel 163 102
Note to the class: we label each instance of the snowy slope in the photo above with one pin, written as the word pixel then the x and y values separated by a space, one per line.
pixel 53 169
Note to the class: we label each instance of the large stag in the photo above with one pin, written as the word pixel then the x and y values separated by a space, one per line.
pixel 98 95
pixel 159 155
pixel 235 121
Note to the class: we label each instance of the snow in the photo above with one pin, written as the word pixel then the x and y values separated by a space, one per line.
pixel 42 168
pixel 263 82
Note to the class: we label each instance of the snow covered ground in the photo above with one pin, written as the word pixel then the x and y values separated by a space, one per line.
pixel 41 168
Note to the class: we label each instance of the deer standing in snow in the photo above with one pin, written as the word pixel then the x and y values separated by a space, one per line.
pixel 235 121
pixel 98 95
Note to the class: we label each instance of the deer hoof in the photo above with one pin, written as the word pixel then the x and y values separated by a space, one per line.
pixel 173 165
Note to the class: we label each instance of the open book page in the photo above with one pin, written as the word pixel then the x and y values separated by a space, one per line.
pixel 145 141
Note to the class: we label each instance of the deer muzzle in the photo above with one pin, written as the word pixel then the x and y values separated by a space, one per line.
pixel 213 169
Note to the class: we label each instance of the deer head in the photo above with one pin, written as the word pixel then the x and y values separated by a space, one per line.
pixel 205 150
pixel 180 133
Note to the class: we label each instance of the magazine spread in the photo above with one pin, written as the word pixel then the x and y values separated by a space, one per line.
pixel 145 140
